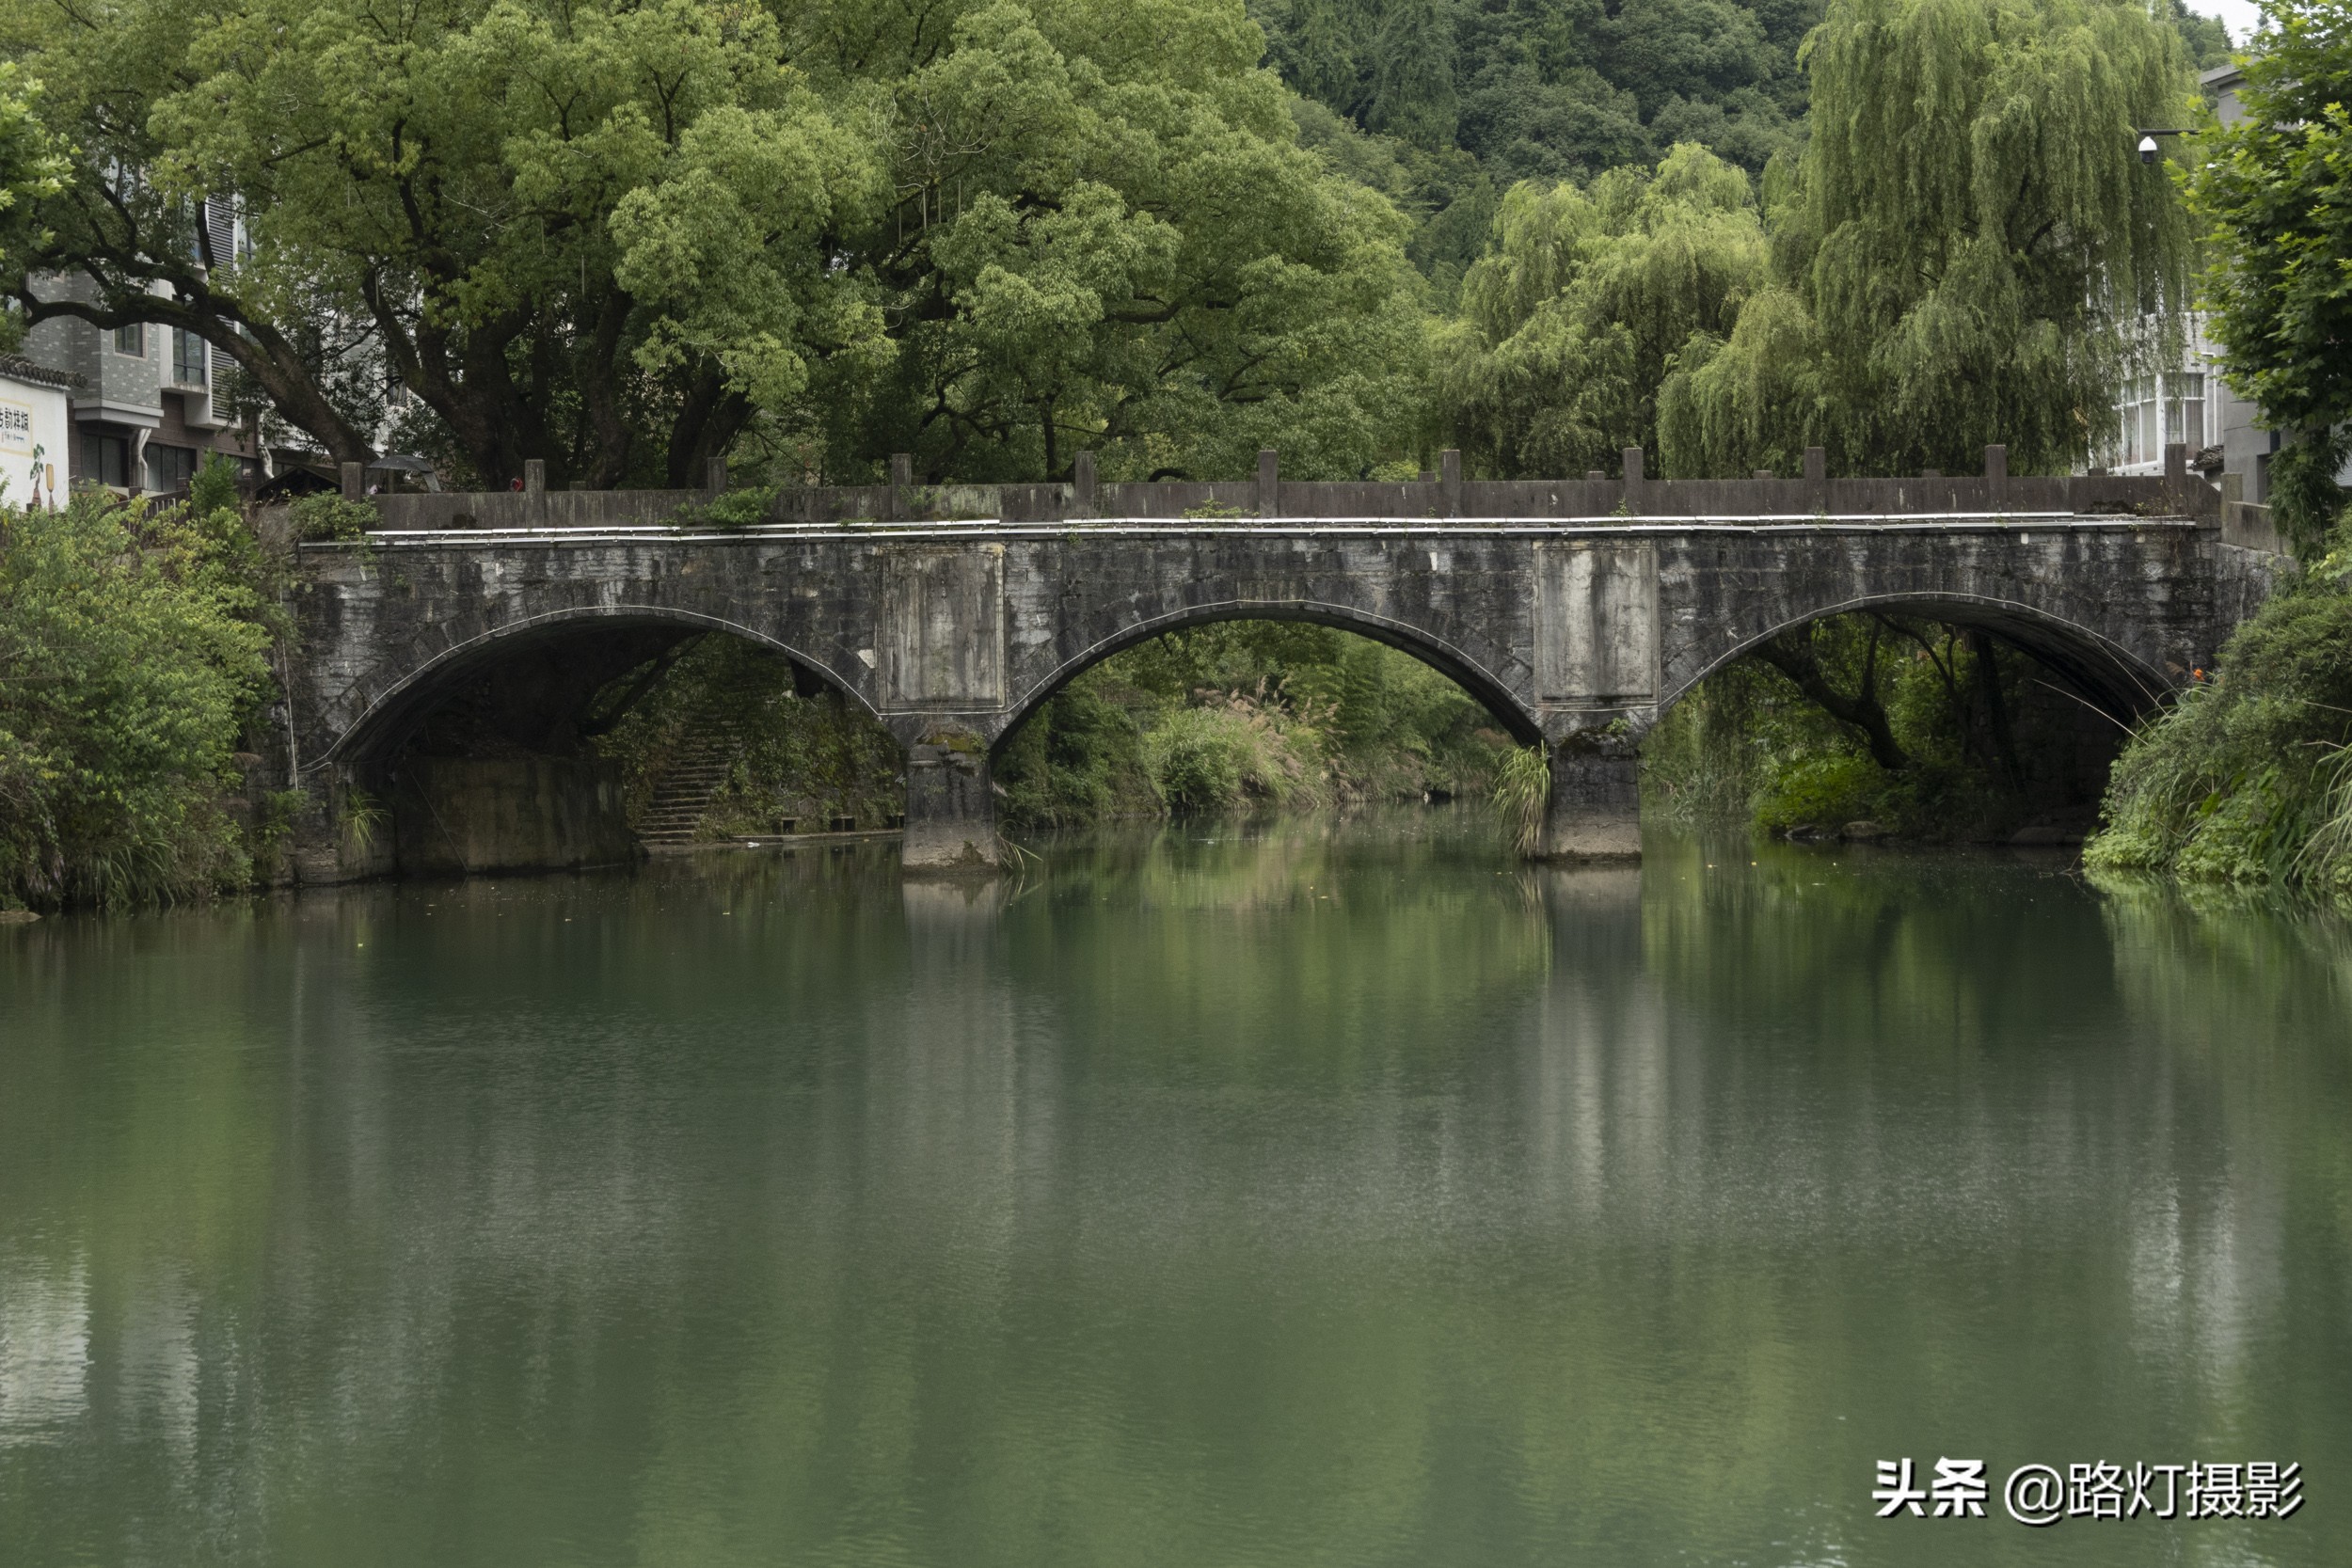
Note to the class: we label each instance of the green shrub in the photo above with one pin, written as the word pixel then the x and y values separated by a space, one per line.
pixel 130 655
pixel 727 513
pixel 1078 756
pixel 1826 788
pixel 326 516
pixel 1217 758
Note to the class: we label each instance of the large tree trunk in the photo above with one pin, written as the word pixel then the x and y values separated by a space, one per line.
pixel 706 424
pixel 1792 655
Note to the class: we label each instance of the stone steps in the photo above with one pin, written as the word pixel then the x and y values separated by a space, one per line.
pixel 682 796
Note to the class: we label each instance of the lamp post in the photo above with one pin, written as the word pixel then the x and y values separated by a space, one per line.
pixel 2147 141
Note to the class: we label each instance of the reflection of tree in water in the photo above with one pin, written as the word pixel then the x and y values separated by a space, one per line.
pixel 1194 1200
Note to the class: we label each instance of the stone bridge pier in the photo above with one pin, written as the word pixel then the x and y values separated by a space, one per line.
pixel 1577 633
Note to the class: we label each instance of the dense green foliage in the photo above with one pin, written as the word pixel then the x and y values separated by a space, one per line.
pixel 132 650
pixel 32 170
pixel 624 239
pixel 2274 192
pixel 1456 101
pixel 1968 251
pixel 1246 713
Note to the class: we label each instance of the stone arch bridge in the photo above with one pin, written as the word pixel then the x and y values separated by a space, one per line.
pixel 1578 631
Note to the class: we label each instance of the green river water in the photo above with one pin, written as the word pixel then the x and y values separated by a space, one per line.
pixel 1297 1194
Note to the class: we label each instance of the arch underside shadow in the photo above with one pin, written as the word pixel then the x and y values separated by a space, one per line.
pixel 1454 663
pixel 2115 680
pixel 391 718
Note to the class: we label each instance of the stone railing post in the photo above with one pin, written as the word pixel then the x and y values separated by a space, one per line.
pixel 1816 477
pixel 1997 478
pixel 901 480
pixel 715 476
pixel 1269 485
pixel 1631 458
pixel 1082 484
pixel 355 477
pixel 1450 482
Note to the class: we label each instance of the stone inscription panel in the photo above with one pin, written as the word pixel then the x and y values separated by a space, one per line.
pixel 1596 623
pixel 940 644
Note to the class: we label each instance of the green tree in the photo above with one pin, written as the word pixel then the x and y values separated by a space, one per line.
pixel 32 170
pixel 2274 194
pixel 628 238
pixel 1968 251
pixel 130 654
pixel 437 190
pixel 1571 323
pixel 1106 235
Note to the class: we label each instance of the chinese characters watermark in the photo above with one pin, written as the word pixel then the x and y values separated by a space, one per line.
pixel 2040 1494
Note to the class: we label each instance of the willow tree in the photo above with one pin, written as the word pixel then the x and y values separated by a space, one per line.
pixel 1571 321
pixel 1968 251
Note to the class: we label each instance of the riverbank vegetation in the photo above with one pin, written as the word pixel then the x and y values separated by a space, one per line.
pixel 2246 778
pixel 134 657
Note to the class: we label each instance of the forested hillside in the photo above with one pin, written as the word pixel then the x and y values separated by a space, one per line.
pixel 1460 99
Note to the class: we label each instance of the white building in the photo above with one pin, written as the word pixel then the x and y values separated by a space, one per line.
pixel 35 432
pixel 2193 405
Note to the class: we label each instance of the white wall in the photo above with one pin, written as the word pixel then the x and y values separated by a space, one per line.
pixel 33 419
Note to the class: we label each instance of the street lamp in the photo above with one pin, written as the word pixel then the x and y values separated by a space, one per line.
pixel 2147 141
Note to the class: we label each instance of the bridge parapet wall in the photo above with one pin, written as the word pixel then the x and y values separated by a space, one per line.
pixel 1269 497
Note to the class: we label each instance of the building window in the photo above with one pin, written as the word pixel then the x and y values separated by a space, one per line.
pixel 169 470
pixel 2158 410
pixel 189 363
pixel 106 459
pixel 2184 411
pixel 132 339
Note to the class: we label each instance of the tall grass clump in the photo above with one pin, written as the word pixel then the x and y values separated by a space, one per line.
pixel 1522 790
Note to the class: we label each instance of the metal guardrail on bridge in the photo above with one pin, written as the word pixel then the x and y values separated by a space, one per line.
pixel 1438 498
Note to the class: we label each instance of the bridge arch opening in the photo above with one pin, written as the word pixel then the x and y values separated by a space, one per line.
pixel 2096 668
pixel 575 739
pixel 1231 706
pixel 1932 715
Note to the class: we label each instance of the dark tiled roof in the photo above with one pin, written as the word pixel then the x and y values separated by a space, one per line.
pixel 40 375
